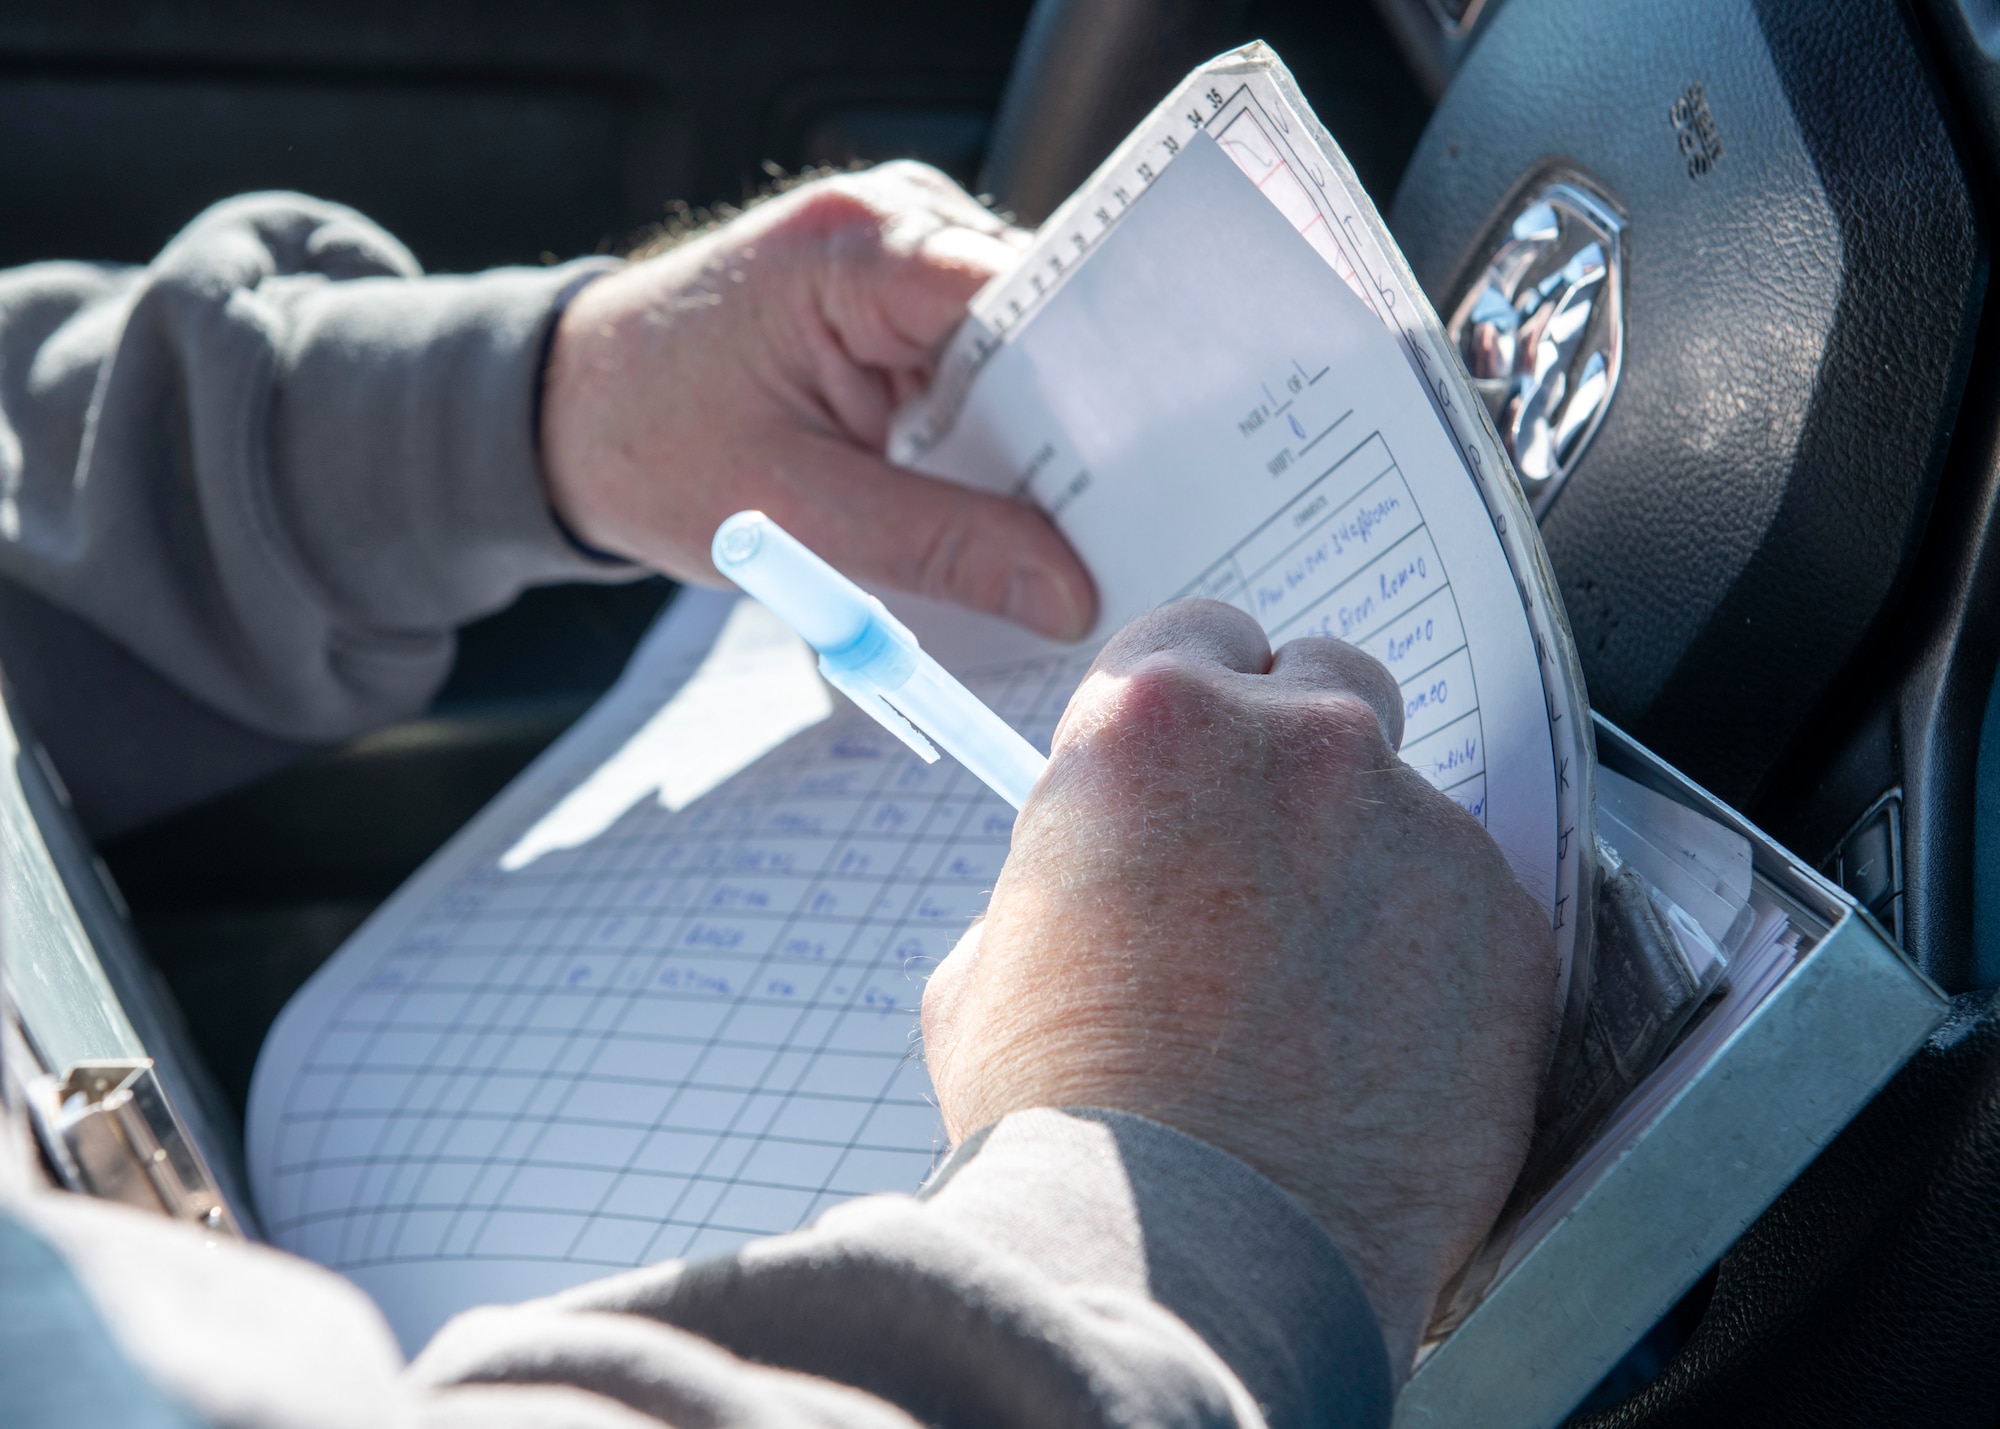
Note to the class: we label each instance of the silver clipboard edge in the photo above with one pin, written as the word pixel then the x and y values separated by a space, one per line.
pixel 1849 1014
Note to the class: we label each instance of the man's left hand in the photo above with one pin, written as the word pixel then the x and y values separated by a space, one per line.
pixel 758 366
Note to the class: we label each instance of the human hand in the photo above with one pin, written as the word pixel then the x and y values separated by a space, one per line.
pixel 1230 908
pixel 758 366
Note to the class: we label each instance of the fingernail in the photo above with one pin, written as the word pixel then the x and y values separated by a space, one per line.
pixel 1037 600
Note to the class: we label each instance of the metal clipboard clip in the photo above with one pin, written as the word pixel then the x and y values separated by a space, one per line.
pixel 108 1131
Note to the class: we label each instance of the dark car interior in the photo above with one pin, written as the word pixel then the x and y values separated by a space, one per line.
pixel 1779 552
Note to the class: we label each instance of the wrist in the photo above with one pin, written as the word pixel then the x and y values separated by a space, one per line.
pixel 1084 1050
pixel 1083 1192
pixel 582 359
pixel 559 310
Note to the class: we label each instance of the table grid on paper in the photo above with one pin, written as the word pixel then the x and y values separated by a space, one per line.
pixel 1247 141
pixel 1349 557
pixel 697 1028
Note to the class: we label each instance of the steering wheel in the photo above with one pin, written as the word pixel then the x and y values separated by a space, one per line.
pixel 1773 504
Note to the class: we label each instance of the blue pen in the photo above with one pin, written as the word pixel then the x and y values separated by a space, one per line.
pixel 871 657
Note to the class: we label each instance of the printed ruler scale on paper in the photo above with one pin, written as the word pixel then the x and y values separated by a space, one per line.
pixel 1247 131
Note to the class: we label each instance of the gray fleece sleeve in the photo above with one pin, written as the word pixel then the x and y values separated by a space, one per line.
pixel 278 464
pixel 1082 1268
pixel 1065 1268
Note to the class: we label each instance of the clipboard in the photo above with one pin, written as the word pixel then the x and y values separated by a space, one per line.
pixel 94 1051
pixel 1674 1188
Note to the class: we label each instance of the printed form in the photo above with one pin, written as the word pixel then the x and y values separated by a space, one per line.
pixel 660 997
pixel 1207 375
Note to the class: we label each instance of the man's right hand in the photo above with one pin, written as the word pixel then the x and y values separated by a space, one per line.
pixel 1230 908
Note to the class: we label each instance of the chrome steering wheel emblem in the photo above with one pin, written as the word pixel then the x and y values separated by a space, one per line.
pixel 1542 330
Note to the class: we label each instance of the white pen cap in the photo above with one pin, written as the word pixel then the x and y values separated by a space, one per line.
pixel 770 565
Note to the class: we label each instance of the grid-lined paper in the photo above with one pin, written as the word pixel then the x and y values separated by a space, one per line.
pixel 695 1028
pixel 1349 558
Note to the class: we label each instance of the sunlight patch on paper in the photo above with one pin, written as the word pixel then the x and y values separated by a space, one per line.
pixel 757 688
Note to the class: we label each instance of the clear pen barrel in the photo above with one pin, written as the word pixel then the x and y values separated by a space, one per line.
pixel 797 586
pixel 970 732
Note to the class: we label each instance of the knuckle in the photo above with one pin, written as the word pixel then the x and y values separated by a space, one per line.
pixel 826 207
pixel 869 197
pixel 1368 674
pixel 1162 700
pixel 1197 611
pixel 1344 730
pixel 1182 625
pixel 914 172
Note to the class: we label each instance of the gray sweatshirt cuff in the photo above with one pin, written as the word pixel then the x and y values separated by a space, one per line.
pixel 1066 1267
pixel 1088 1194
pixel 382 379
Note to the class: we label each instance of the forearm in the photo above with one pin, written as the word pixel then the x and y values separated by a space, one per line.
pixel 1066 1268
pixel 1082 1268
pixel 277 464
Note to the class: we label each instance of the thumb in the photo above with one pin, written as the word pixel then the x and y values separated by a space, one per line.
pixel 881 524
